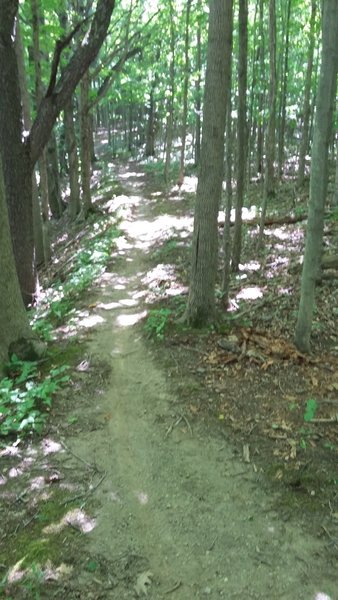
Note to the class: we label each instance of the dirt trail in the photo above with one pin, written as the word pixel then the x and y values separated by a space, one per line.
pixel 178 514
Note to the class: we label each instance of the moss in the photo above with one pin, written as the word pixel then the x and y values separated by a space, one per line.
pixel 32 543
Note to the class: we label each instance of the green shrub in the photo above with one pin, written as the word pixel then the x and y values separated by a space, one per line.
pixel 157 323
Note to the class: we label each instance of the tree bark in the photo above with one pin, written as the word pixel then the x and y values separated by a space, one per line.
pixel 185 91
pixel 15 156
pixel 269 176
pixel 44 191
pixel 241 130
pixel 27 122
pixel 283 95
pixel 228 204
pixel 54 192
pixel 170 109
pixel 198 94
pixel 150 140
pixel 201 300
pixel 73 161
pixel 304 145
pixel 14 322
pixel 319 174
pixel 85 146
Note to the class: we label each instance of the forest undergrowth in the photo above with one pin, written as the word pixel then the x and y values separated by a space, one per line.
pixel 242 378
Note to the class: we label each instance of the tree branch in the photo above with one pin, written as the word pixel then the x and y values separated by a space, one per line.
pixel 109 79
pixel 51 106
pixel 59 47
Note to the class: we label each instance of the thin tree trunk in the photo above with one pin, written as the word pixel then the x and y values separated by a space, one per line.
pixel 304 145
pixel 260 128
pixel 319 174
pixel 241 131
pixel 198 95
pixel 150 139
pixel 201 301
pixel 281 129
pixel 170 110
pixel 85 146
pixel 228 204
pixel 73 161
pixel 44 192
pixel 269 179
pixel 185 91
pixel 54 192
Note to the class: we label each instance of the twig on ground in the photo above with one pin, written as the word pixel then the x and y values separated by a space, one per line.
pixel 169 430
pixel 85 494
pixel 174 588
pixel 211 547
pixel 89 465
pixel 187 422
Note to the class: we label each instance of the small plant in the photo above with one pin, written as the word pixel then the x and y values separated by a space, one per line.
pixel 157 323
pixel 25 395
pixel 311 409
pixel 89 264
pixel 164 252
pixel 33 581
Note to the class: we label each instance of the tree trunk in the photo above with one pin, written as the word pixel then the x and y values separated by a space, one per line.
pixel 73 161
pixel 150 141
pixel 304 145
pixel 228 205
pixel 241 130
pixel 269 179
pixel 283 95
pixel 44 192
pixel 201 301
pixel 198 94
pixel 15 156
pixel 27 122
pixel 319 173
pixel 260 127
pixel 185 91
pixel 85 146
pixel 170 109
pixel 14 322
pixel 54 192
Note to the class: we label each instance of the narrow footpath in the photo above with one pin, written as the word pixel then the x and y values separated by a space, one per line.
pixel 178 514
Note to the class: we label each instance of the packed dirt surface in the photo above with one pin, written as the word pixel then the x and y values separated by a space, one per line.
pixel 166 507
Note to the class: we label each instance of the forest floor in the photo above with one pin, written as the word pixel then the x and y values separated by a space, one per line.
pixel 198 464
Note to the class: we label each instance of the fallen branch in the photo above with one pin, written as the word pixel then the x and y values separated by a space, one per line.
pixel 269 221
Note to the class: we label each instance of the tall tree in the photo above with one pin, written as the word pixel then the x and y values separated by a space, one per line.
pixel 14 322
pixel 20 153
pixel 241 129
pixel 269 176
pixel 306 111
pixel 185 91
pixel 171 94
pixel 319 173
pixel 201 301
pixel 44 192
pixel 284 88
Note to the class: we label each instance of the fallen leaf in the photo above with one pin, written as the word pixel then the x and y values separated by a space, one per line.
pixel 142 582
